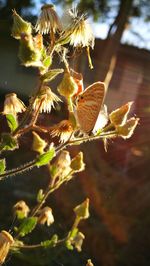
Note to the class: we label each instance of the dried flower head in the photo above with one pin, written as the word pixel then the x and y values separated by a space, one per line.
pixel 77 163
pixel 119 116
pixel 82 34
pixel 63 160
pixel 82 210
pixel 45 100
pixel 127 130
pixel 13 105
pixel 62 165
pixel 21 209
pixel 38 144
pixel 6 240
pixel 48 20
pixel 78 241
pixel 63 130
pixel 46 216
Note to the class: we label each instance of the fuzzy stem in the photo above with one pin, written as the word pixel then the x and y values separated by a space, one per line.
pixel 35 115
pixel 18 170
pixel 51 188
pixel 32 164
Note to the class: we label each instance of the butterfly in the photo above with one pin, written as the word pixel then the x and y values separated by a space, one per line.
pixel 88 106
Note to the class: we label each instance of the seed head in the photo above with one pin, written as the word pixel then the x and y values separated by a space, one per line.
pixel 13 105
pixel 48 20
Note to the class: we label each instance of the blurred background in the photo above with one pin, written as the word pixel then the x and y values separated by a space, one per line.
pixel 117 182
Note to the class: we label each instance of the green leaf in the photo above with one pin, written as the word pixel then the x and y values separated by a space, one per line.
pixel 47 61
pixel 51 74
pixel 27 226
pixel 45 158
pixel 99 131
pixel 12 122
pixel 2 166
pixel 69 245
pixel 40 195
pixel 8 142
pixel 50 243
pixel 20 215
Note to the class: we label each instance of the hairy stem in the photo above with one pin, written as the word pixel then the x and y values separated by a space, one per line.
pixel 18 170
pixel 76 141
pixel 51 188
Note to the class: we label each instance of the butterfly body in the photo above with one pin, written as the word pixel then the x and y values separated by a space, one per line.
pixel 89 104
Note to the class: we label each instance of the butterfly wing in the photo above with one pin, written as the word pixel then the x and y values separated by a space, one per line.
pixel 89 104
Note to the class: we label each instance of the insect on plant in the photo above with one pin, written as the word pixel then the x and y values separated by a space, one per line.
pixel 87 120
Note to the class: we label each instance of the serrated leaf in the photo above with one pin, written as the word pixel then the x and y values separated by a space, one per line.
pixel 50 243
pixel 45 158
pixel 51 74
pixel 2 166
pixel 12 122
pixel 40 195
pixel 8 142
pixel 27 226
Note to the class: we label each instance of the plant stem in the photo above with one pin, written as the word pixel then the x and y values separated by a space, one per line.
pixel 28 246
pixel 37 245
pixel 51 188
pixel 18 170
pixel 28 111
pixel 78 141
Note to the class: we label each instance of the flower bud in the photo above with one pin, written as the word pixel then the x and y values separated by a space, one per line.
pixel 127 130
pixel 20 26
pixel 68 86
pixel 38 144
pixel 119 116
pixel 82 210
pixel 77 163
pixel 28 54
pixel 63 160
pixel 89 263
pixel 78 241
pixel 61 168
pixel 6 240
pixel 46 216
pixel 21 209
